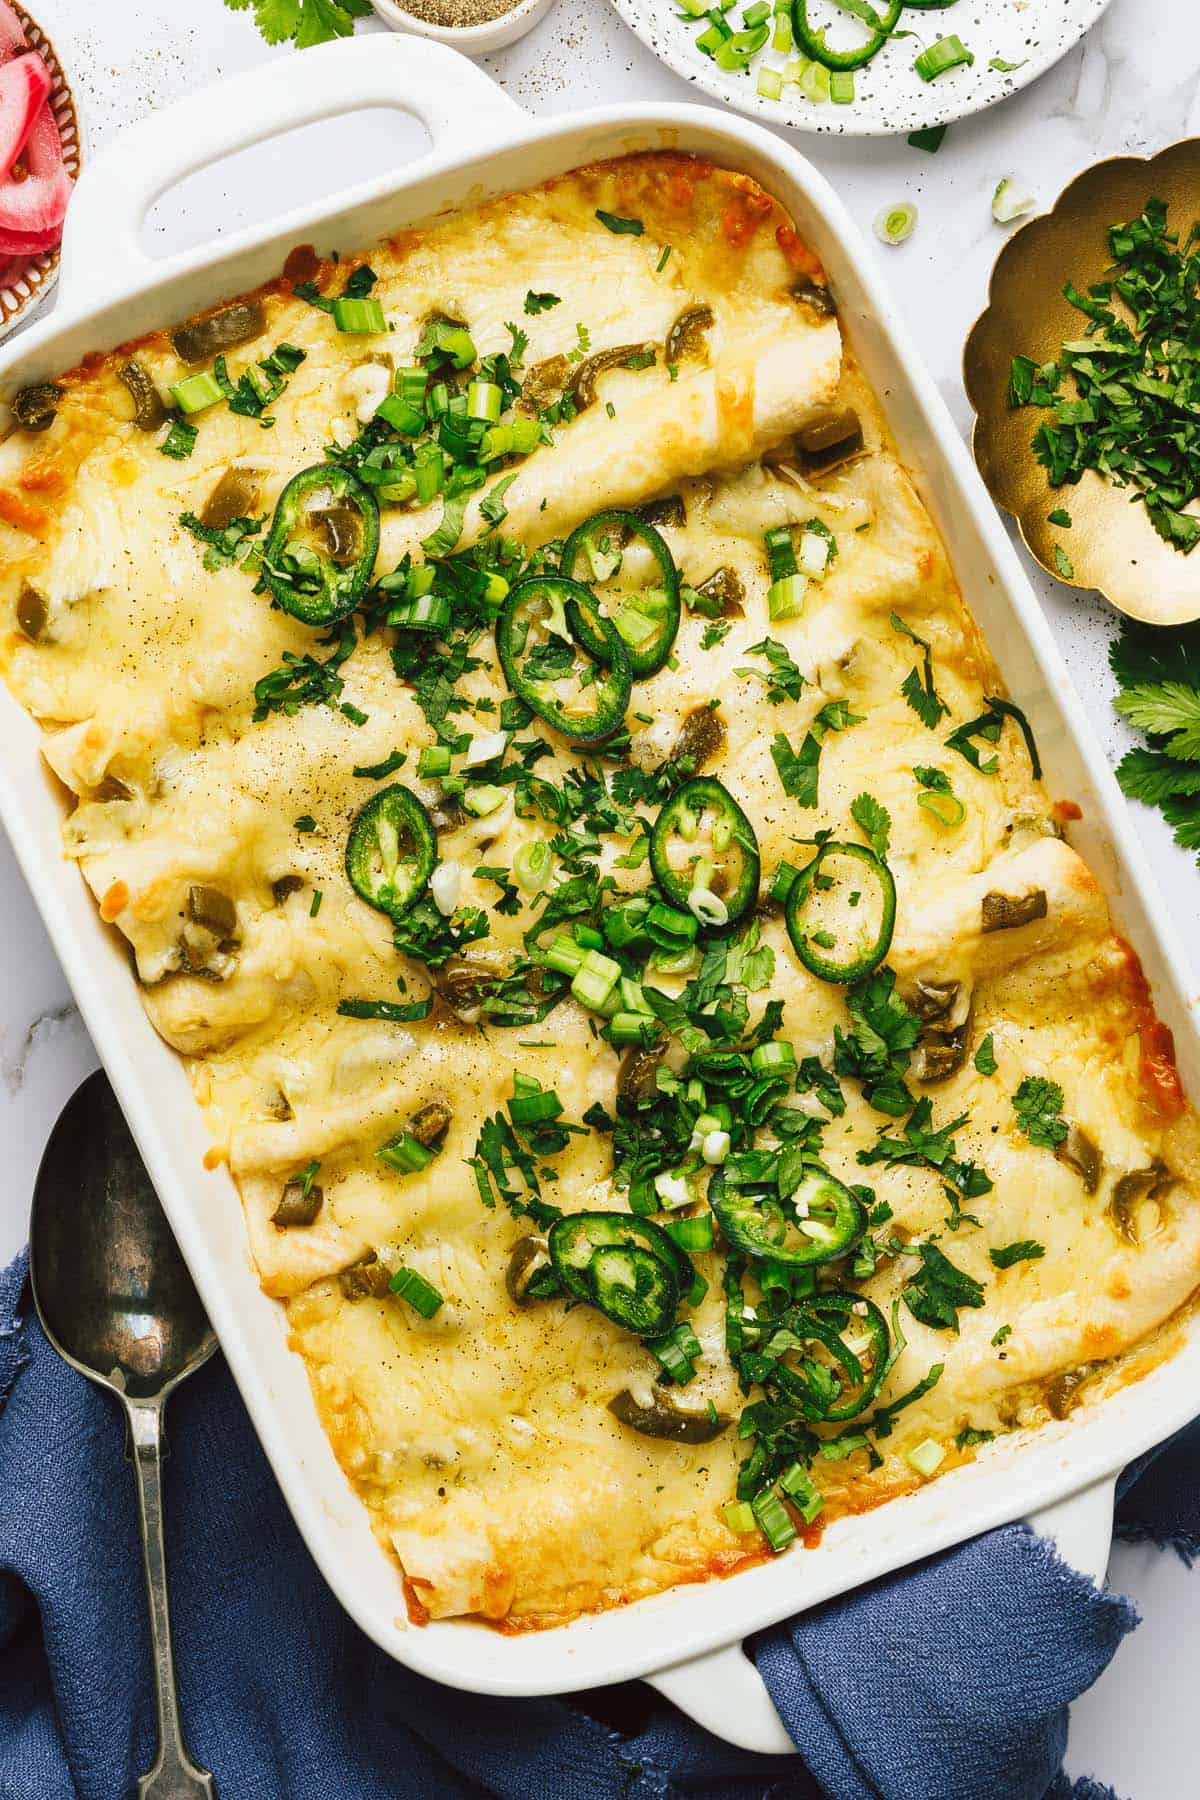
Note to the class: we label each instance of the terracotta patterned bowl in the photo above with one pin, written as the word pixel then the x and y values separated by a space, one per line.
pixel 25 282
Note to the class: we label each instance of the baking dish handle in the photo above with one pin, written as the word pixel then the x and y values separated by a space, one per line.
pixel 457 103
pixel 725 1693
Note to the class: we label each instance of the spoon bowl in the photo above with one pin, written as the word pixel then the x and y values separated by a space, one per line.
pixel 111 1288
pixel 116 1301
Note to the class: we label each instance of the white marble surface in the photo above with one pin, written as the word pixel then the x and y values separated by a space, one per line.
pixel 1130 86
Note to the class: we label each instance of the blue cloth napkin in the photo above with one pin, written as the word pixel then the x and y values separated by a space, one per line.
pixel 949 1681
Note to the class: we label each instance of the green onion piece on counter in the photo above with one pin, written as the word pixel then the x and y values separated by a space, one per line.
pixel 421 1295
pixel 195 393
pixel 1011 201
pixel 405 1154
pixel 948 53
pixel 895 224
pixel 359 316
pixel 774 1519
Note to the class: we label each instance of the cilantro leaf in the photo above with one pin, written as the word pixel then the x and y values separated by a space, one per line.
pixel 936 1293
pixel 1152 776
pixel 783 679
pixel 874 821
pixel 1038 1105
pixel 985 1056
pixel 224 544
pixel 1166 709
pixel 537 303
pixel 918 686
pixel 879 1047
pixel 1026 1250
pixel 799 772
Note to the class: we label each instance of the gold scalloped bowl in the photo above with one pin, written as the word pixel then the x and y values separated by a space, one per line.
pixel 1111 544
pixel 25 282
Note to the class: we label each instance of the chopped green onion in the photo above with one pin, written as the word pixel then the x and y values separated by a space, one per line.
pixel 781 882
pixel 396 412
pixel 841 87
pixel 405 1154
pixel 691 1234
pixel 948 53
pixel 707 908
pixel 484 800
pixel 777 1057
pixel 735 54
pixel 535 1108
pixel 434 760
pixel 802 1491
pixel 634 1028
pixel 770 83
pixel 785 599
pixel 565 955
pixel 739 1516
pixel 196 392
pixel 359 316
pixel 814 82
pixel 421 1295
pixel 781 36
pixel 485 400
pixel 425 612
pixel 927 1458
pixel 774 1520
pixel 595 979
pixel 895 224
pixel 532 865
pixel 410 384
pixel 671 923
pixel 947 809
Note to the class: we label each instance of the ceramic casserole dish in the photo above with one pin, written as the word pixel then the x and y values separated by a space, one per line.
pixel 687 1641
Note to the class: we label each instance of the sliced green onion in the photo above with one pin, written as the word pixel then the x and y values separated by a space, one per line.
pixel 565 955
pixel 1010 201
pixel 532 865
pixel 770 83
pixel 947 809
pixel 927 1458
pixel 196 392
pixel 485 400
pixel 405 1154
pixel 634 1028
pixel 774 1058
pixel 677 1352
pixel 595 979
pixel 434 760
pixel 781 37
pixel 785 599
pixel 896 224
pixel 707 908
pixel 802 1491
pixel 396 412
pixel 735 54
pixel 781 882
pixel 814 82
pixel 672 1189
pixel 516 437
pixel 359 316
pixel 841 87
pixel 421 1295
pixel 739 1516
pixel 712 37
pixel 948 53
pixel 426 612
pixel 536 1108
pixel 691 1234
pixel 482 801
pixel 410 384
pixel 429 471
pixel 774 1519
pixel 670 922
pixel 755 14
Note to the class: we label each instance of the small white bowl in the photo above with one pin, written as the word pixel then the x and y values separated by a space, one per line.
pixel 472 40
pixel 24 284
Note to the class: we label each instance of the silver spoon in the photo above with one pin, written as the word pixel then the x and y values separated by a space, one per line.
pixel 116 1301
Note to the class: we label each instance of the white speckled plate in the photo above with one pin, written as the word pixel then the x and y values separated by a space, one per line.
pixel 889 94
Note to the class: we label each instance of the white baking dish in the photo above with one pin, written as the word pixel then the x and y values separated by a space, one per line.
pixel 688 1641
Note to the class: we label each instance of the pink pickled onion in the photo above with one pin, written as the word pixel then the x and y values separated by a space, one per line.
pixel 12 32
pixel 37 205
pixel 24 84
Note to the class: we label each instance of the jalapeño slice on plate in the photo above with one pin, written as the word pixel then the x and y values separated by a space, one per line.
pixel 818 1221
pixel 628 565
pixel 841 912
pixel 563 658
pixel 391 850
pixel 320 551
pixel 704 853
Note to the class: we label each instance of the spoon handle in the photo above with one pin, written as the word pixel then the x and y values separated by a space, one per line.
pixel 173 1775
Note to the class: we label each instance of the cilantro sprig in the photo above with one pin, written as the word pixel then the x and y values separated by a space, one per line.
pixel 303 22
pixel 1159 673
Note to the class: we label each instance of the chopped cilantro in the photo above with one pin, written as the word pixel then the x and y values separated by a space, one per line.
pixel 378 771
pixel 985 1056
pixel 1002 1336
pixel 537 303
pixel 782 678
pixel 180 440
pixel 1027 1250
pixel 918 685
pixel 874 821
pixel 1038 1106
pixel 224 544
pixel 936 1293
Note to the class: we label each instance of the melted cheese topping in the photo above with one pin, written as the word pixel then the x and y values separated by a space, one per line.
pixel 481 1439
